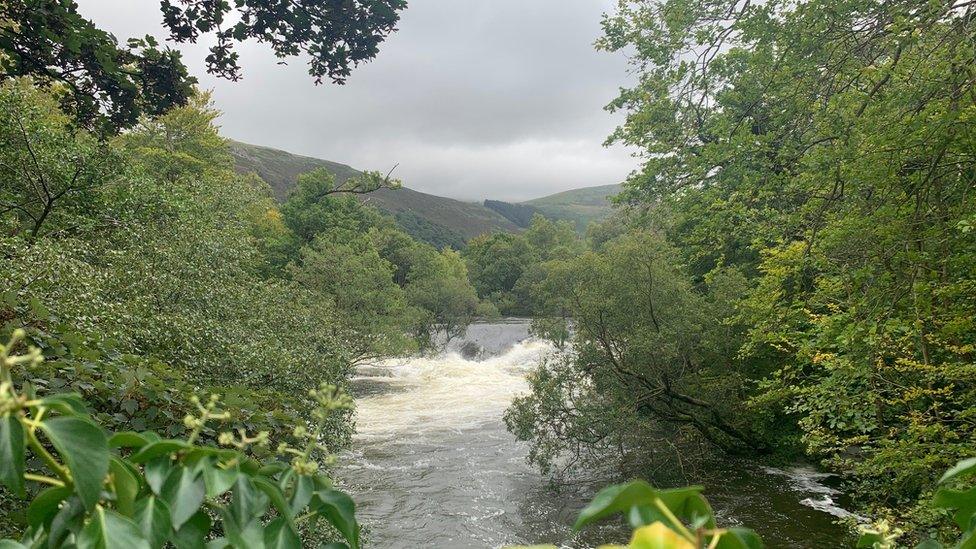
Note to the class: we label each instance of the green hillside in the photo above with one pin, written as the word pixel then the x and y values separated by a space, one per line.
pixel 578 205
pixel 428 217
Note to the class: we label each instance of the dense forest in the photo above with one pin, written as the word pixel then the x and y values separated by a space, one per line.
pixel 789 274
pixel 792 270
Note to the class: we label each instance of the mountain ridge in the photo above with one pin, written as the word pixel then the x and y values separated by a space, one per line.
pixel 436 219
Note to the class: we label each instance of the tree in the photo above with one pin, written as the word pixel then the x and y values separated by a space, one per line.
pixel 646 357
pixel 824 149
pixel 49 172
pixel 351 272
pixel 439 287
pixel 108 86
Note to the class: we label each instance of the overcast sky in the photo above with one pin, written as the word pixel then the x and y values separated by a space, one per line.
pixel 473 98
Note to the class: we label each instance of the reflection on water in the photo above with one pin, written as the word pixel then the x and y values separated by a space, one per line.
pixel 432 464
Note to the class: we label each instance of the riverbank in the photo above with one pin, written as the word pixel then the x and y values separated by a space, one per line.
pixel 433 465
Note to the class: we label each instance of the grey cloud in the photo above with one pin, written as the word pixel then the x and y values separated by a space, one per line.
pixel 499 99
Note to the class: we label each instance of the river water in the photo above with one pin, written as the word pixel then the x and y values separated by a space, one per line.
pixel 433 466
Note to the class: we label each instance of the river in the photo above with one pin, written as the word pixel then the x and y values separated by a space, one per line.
pixel 432 464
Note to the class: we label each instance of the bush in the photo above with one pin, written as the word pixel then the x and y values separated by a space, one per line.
pixel 91 488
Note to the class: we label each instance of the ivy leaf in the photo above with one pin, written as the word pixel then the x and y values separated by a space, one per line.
pixel 184 492
pixel 277 498
pixel 193 534
pixel 67 520
pixel 280 535
pixel 616 499
pixel 156 472
pixel 126 486
pixel 66 403
pixel 962 469
pixel 218 480
pixel 739 538
pixel 153 517
pixel 84 447
pixel 963 501
pixel 45 505
pixel 689 504
pixel 157 449
pixel 110 530
pixel 340 511
pixel 12 454
pixel 127 439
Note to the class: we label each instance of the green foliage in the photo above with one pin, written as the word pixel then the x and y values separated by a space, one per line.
pixel 819 153
pixel 158 280
pixel 432 233
pixel 51 173
pixel 678 518
pixel 102 85
pixel 651 354
pixel 581 207
pixel 504 267
pixel 336 37
pixel 91 488
pixel 520 214
pixel 106 86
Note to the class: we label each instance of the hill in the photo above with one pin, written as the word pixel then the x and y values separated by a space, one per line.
pixel 578 205
pixel 431 218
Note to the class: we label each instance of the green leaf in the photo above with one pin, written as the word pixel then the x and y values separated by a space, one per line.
pixel 66 403
pixel 84 448
pixel 962 469
pixel 218 480
pixel 11 544
pixel 868 539
pixel 110 530
pixel 193 533
pixel 126 486
pixel 156 472
pixel 304 489
pixel 45 505
pixel 248 503
pixel 157 449
pixel 277 498
pixel 616 499
pixel 153 517
pixel 688 503
pixel 280 535
pixel 68 519
pixel 242 534
pixel 964 501
pixel 12 454
pixel 739 538
pixel 339 509
pixel 127 439
pixel 184 491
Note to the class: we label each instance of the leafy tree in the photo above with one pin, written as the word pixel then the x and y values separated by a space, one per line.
pixel 648 355
pixel 318 205
pixel 50 172
pixel 352 273
pixel 824 150
pixel 110 86
pixel 448 303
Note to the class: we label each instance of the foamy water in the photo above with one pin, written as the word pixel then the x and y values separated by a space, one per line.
pixel 432 464
pixel 446 391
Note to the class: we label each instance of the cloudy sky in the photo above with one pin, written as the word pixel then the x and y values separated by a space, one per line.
pixel 473 98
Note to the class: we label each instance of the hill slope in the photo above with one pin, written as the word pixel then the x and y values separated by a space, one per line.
pixel 420 214
pixel 578 205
